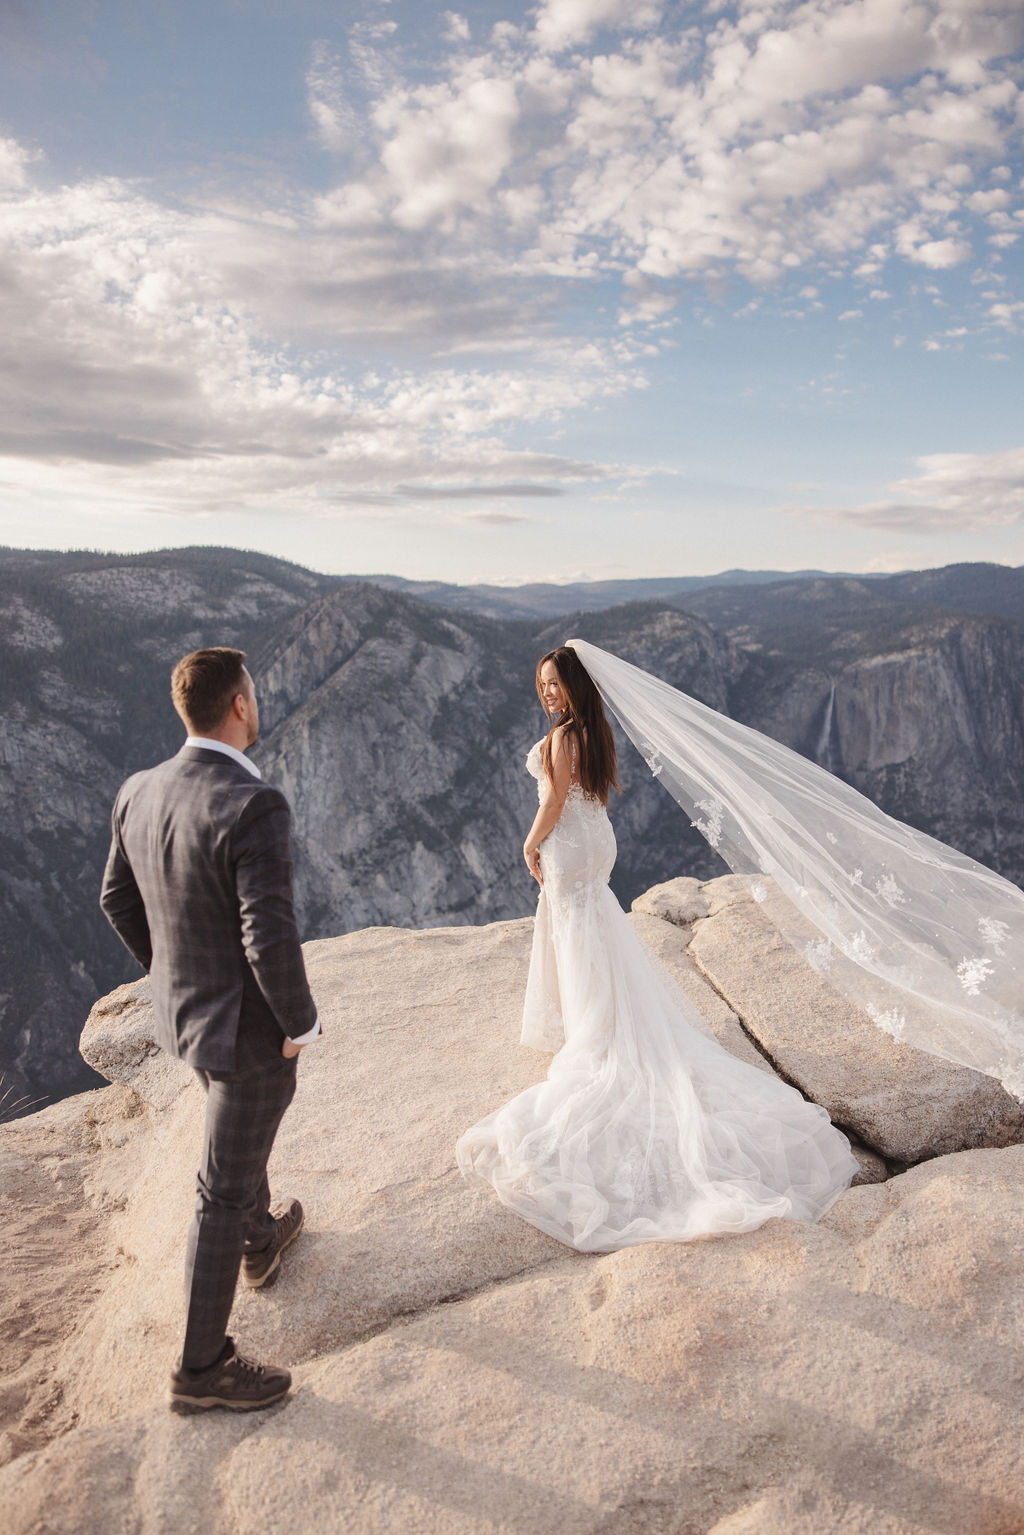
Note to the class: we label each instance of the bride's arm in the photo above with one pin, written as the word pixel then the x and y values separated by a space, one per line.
pixel 551 804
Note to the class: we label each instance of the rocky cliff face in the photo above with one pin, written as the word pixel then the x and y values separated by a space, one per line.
pixel 86 644
pixel 400 736
pixel 929 724
pixel 399 732
pixel 935 734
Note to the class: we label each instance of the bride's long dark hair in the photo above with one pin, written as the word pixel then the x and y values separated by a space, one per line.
pixel 585 717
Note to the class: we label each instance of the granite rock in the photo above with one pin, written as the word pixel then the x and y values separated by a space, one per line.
pixel 902 1103
pixel 458 1371
pixel 681 901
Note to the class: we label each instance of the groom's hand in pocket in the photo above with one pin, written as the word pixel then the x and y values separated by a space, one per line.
pixel 291 1047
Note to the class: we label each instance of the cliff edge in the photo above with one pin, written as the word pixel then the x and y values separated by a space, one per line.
pixel 457 1371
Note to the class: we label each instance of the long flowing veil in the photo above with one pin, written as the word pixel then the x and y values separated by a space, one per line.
pixel 926 940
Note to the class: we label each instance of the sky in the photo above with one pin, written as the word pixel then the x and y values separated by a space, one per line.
pixel 582 289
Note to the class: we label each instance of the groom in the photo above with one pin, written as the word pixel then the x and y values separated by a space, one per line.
pixel 198 888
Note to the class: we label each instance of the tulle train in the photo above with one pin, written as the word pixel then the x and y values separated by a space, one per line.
pixel 645 1129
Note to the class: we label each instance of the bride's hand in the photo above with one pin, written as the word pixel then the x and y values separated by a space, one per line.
pixel 532 856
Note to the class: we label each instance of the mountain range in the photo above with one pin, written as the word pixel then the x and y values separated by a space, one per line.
pixel 397 724
pixel 997 590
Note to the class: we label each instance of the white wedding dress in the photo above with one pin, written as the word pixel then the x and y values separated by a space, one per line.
pixel 645 1130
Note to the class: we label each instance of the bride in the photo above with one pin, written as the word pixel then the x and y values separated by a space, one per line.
pixel 646 1129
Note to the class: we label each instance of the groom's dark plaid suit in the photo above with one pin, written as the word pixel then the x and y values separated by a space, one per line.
pixel 198 887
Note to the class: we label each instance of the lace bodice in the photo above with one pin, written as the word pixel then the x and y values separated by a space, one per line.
pixel 535 766
pixel 578 853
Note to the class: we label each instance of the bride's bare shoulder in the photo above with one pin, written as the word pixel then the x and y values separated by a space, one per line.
pixel 565 744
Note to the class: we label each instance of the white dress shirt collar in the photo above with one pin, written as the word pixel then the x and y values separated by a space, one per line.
pixel 229 751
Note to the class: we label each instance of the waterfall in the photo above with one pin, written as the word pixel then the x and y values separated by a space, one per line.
pixel 823 752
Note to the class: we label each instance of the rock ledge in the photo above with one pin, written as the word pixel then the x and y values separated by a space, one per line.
pixel 457 1371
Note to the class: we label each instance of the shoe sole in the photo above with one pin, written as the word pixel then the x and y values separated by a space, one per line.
pixel 186 1406
pixel 267 1278
pixel 270 1276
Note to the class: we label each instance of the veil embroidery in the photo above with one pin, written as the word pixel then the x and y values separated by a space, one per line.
pixel 923 938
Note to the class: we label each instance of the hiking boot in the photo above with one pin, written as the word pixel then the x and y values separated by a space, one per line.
pixel 260 1269
pixel 231 1381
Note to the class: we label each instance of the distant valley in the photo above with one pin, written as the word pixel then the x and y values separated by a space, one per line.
pixel 398 726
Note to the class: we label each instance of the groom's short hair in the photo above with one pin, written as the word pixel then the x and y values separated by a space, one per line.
pixel 205 684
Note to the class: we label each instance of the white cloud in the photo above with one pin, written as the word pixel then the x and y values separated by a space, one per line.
pixel 143 353
pixel 791 137
pixel 334 120
pixel 647 308
pixel 961 492
pixel 751 166
pixel 446 146
pixel 15 160
pixel 456 27
pixel 785 141
pixel 562 23
pixel 496 519
pixel 988 202
pixel 939 254
pixel 1008 316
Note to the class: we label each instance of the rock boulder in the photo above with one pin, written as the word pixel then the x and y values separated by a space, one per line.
pixel 457 1371
pixel 904 1104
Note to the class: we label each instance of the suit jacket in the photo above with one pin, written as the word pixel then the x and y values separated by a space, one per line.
pixel 198 887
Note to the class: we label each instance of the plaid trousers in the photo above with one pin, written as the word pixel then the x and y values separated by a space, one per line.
pixel 232 1214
